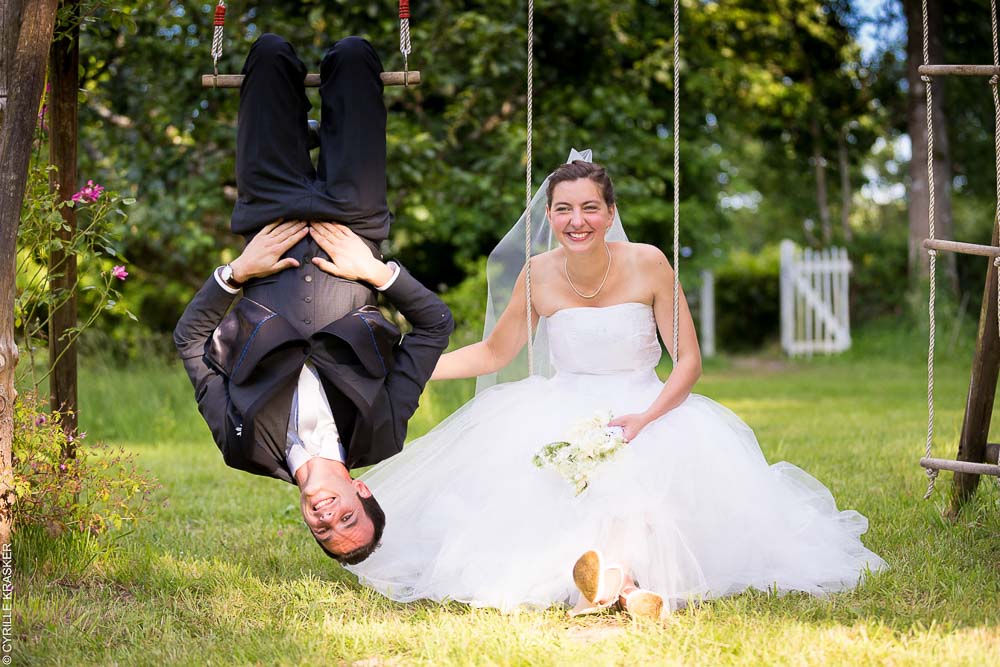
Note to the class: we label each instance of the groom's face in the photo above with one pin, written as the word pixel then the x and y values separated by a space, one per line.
pixel 331 507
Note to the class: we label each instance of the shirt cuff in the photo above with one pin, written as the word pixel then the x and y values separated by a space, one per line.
pixel 395 274
pixel 232 290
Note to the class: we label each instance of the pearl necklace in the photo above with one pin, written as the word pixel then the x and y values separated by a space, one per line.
pixel 599 287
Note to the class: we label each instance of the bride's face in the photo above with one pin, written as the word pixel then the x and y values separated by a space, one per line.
pixel 579 215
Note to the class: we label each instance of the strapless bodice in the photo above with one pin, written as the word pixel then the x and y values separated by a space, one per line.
pixel 605 340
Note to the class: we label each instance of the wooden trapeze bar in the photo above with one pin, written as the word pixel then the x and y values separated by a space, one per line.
pixel 411 78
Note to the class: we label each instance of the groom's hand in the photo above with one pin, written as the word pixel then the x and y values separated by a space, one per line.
pixel 350 257
pixel 262 256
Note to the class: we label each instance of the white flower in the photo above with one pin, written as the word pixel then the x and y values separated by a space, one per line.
pixel 589 442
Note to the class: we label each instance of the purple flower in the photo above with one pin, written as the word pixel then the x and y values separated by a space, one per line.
pixel 62 467
pixel 40 420
pixel 119 272
pixel 88 194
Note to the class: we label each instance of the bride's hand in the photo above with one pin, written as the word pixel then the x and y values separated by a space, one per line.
pixel 631 424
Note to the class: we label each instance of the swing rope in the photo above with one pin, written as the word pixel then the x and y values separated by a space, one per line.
pixel 677 171
pixel 220 23
pixel 996 139
pixel 404 38
pixel 677 182
pixel 527 185
pixel 932 473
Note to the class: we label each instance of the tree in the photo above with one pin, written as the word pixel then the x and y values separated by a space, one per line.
pixel 25 82
pixel 919 209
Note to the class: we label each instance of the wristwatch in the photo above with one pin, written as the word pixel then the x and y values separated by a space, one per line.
pixel 226 273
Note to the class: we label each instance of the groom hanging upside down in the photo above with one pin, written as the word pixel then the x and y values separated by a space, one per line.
pixel 304 379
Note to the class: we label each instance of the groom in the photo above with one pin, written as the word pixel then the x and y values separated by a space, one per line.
pixel 307 408
pixel 304 378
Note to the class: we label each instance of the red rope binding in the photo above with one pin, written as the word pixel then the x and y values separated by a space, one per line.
pixel 404 9
pixel 220 15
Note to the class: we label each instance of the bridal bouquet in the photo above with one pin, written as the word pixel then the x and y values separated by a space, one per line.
pixel 589 443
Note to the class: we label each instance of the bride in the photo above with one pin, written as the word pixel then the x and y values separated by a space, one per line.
pixel 688 509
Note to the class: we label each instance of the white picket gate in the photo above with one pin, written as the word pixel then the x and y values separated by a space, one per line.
pixel 814 300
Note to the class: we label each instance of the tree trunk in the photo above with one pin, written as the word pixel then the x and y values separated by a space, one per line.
pixel 64 68
pixel 10 25
pixel 846 195
pixel 16 136
pixel 917 128
pixel 819 164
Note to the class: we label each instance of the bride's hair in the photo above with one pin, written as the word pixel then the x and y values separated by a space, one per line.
pixel 577 169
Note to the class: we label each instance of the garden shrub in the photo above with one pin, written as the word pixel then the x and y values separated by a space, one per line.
pixel 95 489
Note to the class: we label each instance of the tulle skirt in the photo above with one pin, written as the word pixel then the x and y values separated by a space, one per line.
pixel 690 506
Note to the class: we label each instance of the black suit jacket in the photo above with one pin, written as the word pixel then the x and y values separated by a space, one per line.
pixel 244 366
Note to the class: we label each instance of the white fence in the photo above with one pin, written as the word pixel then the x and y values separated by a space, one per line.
pixel 814 300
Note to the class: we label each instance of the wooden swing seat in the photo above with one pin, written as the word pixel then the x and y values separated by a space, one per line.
pixel 411 78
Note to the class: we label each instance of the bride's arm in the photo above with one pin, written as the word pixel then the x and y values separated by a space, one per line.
pixel 498 350
pixel 686 371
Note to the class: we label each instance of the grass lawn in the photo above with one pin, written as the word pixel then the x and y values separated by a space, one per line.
pixel 223 572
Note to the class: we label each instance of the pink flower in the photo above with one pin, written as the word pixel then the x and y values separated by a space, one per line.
pixel 119 272
pixel 62 467
pixel 88 194
pixel 40 420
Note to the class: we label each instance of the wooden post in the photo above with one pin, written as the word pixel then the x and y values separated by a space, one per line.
pixel 982 390
pixel 64 68
pixel 16 136
pixel 707 303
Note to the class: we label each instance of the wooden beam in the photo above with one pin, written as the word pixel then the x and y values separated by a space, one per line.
pixel 993 453
pixel 966 467
pixel 312 80
pixel 982 391
pixel 964 248
pixel 64 75
pixel 958 70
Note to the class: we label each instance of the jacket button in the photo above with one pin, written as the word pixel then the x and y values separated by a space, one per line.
pixel 308 279
pixel 308 321
pixel 308 299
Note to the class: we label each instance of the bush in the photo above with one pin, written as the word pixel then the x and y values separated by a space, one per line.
pixel 96 489
pixel 747 300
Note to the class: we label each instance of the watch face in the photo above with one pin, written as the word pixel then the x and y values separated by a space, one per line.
pixel 227 277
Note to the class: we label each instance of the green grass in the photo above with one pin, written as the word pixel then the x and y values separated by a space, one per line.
pixel 222 572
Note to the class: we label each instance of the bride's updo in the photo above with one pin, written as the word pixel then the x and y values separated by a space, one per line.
pixel 577 169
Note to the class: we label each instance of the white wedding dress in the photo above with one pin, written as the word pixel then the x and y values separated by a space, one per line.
pixel 690 506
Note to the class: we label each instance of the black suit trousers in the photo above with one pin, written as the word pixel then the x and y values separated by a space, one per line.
pixel 275 174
